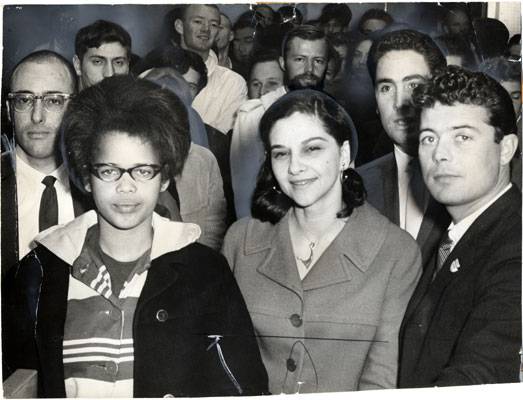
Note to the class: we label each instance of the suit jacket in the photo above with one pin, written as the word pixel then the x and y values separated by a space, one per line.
pixel 192 285
pixel 380 178
pixel 200 201
pixel 336 330
pixel 9 208
pixel 465 326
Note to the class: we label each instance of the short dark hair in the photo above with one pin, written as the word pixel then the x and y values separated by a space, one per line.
pixel 270 204
pixel 338 11
pixel 126 104
pixel 98 33
pixel 174 57
pixel 458 85
pixel 375 13
pixel 305 32
pixel 265 55
pixel 245 20
pixel 515 39
pixel 42 56
pixel 406 39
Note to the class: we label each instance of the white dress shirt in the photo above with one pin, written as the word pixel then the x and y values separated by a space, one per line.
pixel 29 190
pixel 412 194
pixel 218 102
pixel 456 231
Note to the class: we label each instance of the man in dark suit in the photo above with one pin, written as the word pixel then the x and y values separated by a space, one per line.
pixel 463 323
pixel 36 191
pixel 398 62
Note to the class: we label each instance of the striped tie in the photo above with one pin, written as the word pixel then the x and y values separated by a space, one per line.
pixel 444 249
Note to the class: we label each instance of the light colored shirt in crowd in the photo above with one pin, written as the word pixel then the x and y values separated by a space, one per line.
pixel 218 102
pixel 247 153
pixel 29 189
pixel 456 231
pixel 412 194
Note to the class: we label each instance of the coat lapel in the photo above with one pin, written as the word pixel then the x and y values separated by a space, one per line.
pixel 435 222
pixel 51 315
pixel 161 275
pixel 462 257
pixel 350 250
pixel 279 265
pixel 9 212
pixel 390 191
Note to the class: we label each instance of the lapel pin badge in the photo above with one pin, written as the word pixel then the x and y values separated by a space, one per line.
pixel 454 267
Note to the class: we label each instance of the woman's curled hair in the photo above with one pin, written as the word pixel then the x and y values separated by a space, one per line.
pixel 269 203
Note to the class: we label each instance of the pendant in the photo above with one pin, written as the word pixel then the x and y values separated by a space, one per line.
pixel 307 262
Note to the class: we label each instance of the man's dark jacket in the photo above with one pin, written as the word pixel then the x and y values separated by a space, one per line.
pixel 465 327
pixel 195 289
pixel 380 178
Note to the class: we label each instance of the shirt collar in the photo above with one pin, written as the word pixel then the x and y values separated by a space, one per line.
pixel 32 174
pixel 402 159
pixel 211 63
pixel 456 231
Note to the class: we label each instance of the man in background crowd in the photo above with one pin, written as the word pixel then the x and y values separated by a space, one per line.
pixel 102 49
pixel 218 102
pixel 305 54
pixel 399 62
pixel 223 41
pixel 36 191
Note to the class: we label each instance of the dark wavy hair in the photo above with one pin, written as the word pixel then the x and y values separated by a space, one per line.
pixel 406 39
pixel 170 56
pixel 271 204
pixel 340 12
pixel 98 33
pixel 458 85
pixel 126 104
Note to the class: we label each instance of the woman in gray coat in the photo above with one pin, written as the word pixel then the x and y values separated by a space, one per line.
pixel 325 277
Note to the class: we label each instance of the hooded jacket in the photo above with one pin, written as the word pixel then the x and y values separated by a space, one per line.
pixel 200 344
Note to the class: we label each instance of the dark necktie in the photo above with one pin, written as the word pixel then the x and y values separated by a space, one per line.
pixel 48 205
pixel 444 249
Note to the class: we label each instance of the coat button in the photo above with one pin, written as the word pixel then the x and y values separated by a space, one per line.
pixel 291 365
pixel 296 320
pixel 161 315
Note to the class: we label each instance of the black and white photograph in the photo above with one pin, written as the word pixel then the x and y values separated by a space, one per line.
pixel 267 198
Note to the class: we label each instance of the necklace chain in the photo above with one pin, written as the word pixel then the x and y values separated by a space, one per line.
pixel 312 243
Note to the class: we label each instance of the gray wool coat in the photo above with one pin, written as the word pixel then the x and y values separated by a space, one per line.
pixel 337 330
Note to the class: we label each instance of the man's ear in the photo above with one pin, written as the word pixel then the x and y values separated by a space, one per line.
pixel 8 111
pixel 509 145
pixel 178 26
pixel 282 63
pixel 87 185
pixel 165 185
pixel 231 36
pixel 77 65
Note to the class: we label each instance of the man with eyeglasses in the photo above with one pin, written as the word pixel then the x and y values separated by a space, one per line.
pixel 36 192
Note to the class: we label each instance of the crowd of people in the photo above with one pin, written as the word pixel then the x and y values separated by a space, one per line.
pixel 267 205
